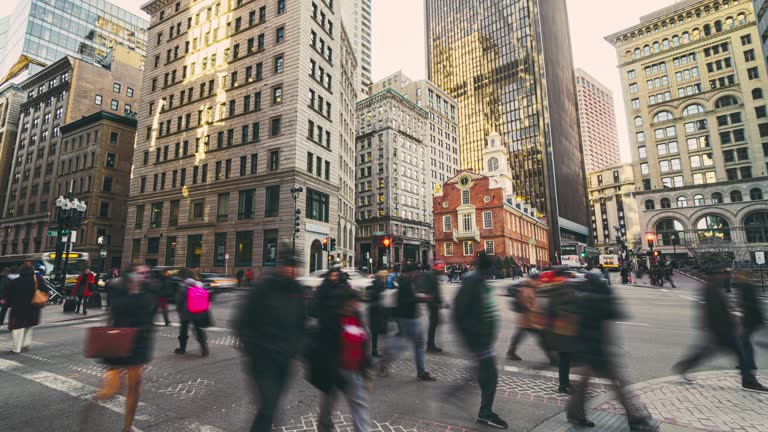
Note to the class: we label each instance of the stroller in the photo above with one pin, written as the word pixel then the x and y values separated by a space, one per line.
pixel 56 293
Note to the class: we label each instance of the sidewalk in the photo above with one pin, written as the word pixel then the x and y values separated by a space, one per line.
pixel 714 402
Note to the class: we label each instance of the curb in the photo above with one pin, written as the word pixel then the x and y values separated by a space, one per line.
pixel 559 422
pixel 688 275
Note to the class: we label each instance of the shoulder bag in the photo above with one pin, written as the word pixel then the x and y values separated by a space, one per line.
pixel 110 342
pixel 39 298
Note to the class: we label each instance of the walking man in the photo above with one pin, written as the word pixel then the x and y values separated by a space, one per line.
pixel 271 330
pixel 192 304
pixel 431 286
pixel 477 320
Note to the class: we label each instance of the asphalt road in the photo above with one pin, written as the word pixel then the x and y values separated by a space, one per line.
pixel 49 385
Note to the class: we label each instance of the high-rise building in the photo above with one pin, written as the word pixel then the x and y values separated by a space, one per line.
pixel 40 32
pixel 520 84
pixel 613 205
pixel 694 81
pixel 598 123
pixel 393 195
pixel 442 130
pixel 110 139
pixel 63 92
pixel 242 102
pixel 10 103
pixel 356 15
pixel 761 10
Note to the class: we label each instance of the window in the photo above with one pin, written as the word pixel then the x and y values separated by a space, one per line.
pixel 756 224
pixel 129 92
pixel 170 250
pixel 317 205
pixel 665 203
pixel 110 161
pixel 662 116
pixel 114 104
pixel 447 224
pixel 465 197
pixel 642 152
pixel 113 138
pixel 277 95
pixel 116 87
pixel 635 103
pixel 640 137
pixel 156 215
pixel 753 73
pixel 269 250
pixel 489 247
pixel 246 205
pixel 222 208
pixel 103 209
pixel 279 34
pixel 469 248
pixel 713 227
pixel 272 201
pixel 194 250
pixel 275 126
pixel 693 109
pixel 650 205
pixel 219 249
pixel 669 232
pixel 139 222
pixel 644 169
pixel 173 214
pixel 633 88
pixel 638 121
pixel 274 160
pixel 98 100
pixel 682 202
pixel 243 248
pixel 487 220
pixel 448 249
pixel 736 196
pixel 280 6
pixel 197 209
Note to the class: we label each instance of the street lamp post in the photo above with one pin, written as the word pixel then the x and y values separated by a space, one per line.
pixel 295 192
pixel 70 215
pixel 674 238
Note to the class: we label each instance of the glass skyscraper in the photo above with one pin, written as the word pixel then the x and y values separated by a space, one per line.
pixel 39 32
pixel 508 64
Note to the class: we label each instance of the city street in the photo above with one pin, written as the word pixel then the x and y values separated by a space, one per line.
pixel 189 393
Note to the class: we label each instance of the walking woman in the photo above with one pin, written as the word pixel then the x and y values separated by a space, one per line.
pixel 192 291
pixel 82 290
pixel 131 307
pixel 24 313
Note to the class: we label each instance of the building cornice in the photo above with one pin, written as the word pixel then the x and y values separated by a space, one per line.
pixel 97 117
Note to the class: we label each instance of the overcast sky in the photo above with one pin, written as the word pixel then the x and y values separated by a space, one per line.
pixel 398 38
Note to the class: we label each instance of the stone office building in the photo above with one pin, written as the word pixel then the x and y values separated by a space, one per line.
pixel 242 101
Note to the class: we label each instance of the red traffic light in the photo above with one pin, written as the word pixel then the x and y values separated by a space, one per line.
pixel 386 242
pixel 325 240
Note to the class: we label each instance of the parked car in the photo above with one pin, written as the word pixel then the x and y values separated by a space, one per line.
pixel 217 283
pixel 357 280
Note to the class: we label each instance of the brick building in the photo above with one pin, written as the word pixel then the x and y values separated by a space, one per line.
pixel 479 211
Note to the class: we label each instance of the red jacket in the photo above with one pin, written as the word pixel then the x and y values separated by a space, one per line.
pixel 87 292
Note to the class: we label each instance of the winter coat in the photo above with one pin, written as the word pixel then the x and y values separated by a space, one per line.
pixel 407 302
pixel 323 356
pixel 181 303
pixel 530 317
pixel 474 313
pixel 83 286
pixel 751 306
pixel 19 299
pixel 5 283
pixel 134 311
pixel 717 316
pixel 432 288
pixel 598 305
pixel 271 323
pixel 328 298
pixel 377 315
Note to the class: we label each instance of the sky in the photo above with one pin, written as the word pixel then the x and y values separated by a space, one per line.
pixel 398 39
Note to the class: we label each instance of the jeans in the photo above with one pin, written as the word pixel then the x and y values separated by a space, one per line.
pixel 564 370
pixel 81 300
pixel 434 320
pixel 411 329
pixel 487 377
pixel 199 335
pixel 357 398
pixel 111 386
pixel 270 378
pixel 22 338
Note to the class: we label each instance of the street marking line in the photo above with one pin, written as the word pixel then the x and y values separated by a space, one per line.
pixel 216 329
pixel 551 374
pixel 632 323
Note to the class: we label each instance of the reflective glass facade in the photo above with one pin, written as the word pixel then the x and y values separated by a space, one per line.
pixel 508 64
pixel 47 30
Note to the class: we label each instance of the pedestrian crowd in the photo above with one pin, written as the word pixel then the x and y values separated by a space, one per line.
pixel 568 311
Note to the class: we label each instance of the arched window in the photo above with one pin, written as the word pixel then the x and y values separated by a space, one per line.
pixel 669 232
pixel 695 34
pixel 493 164
pixel 757 93
pixel 638 53
pixel 729 24
pixel 675 40
pixel 736 196
pixel 718 26
pixel 726 101
pixel 638 121
pixel 665 203
pixel 755 194
pixel 656 47
pixel 698 200
pixel 665 44
pixel 663 116
pixel 717 198
pixel 741 19
pixel 682 201
pixel 713 226
pixel 693 109
pixel 686 37
pixel 647 50
pixel 650 205
pixel 756 226
pixel 707 29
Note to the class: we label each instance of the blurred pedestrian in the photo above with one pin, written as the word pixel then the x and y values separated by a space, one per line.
pixel 329 295
pixel 166 290
pixel 377 313
pixel 6 276
pixel 338 361
pixel 599 306
pixel 271 328
pixel 721 332
pixel 529 319
pixel 477 320
pixel 86 283
pixel 131 307
pixel 249 277
pixel 407 314
pixel 24 313
pixel 668 272
pixel 752 318
pixel 431 286
pixel 240 276
pixel 193 306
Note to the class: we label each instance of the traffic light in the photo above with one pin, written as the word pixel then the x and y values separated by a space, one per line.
pixel 325 244
pixel 386 242
pixel 650 239
pixel 584 255
pixel 296 220
pixel 656 254
pixel 333 244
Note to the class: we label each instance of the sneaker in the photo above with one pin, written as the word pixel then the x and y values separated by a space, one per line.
pixel 492 419
pixel 581 422
pixel 179 351
pixel 434 349
pixel 565 390
pixel 513 356
pixel 754 387
pixel 643 425
pixel 426 376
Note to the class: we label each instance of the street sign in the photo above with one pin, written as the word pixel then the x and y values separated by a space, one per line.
pixel 103 253
pixel 53 233
pixel 379 233
pixel 226 256
pixel 72 237
pixel 760 257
